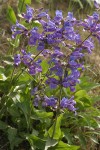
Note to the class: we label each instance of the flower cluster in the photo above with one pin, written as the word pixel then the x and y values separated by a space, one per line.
pixel 60 42
pixel 27 59
pixel 53 102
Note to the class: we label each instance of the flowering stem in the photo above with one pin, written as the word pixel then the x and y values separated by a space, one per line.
pixel 38 54
pixel 23 70
pixel 60 94
pixel 84 40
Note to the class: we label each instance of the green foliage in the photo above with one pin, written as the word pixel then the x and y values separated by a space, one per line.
pixel 61 145
pixel 11 15
pixel 55 131
pixel 22 3
pixel 39 127
pixel 82 2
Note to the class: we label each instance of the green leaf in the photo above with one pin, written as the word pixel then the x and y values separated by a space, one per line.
pixel 87 85
pixel 39 114
pixel 80 3
pixel 80 93
pixel 8 60
pixel 96 98
pixel 25 107
pixel 36 24
pixel 11 15
pixel 13 111
pixel 12 132
pixel 93 133
pixel 55 130
pixel 45 66
pixel 27 1
pixel 22 3
pixel 82 140
pixel 95 140
pixel 82 96
pixel 36 142
pixel 68 135
pixel 50 143
pixel 62 146
pixel 89 2
pixel 1 69
pixel 16 42
pixel 3 125
pixel 2 77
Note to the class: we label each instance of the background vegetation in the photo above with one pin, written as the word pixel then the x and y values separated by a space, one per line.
pixel 21 128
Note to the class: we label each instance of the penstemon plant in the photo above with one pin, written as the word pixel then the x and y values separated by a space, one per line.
pixel 51 56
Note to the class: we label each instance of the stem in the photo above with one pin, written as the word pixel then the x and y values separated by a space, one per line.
pixel 20 74
pixel 84 40
pixel 22 5
pixel 57 111
pixel 4 145
pixel 12 75
pixel 86 37
pixel 38 54
pixel 60 95
pixel 54 125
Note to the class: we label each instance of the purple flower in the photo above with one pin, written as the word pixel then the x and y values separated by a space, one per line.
pixel 96 5
pixel 69 33
pixel 57 69
pixel 96 16
pixel 41 46
pixel 58 16
pixel 75 73
pixel 57 54
pixel 29 13
pixel 34 36
pixel 19 26
pixel 42 14
pixel 52 82
pixel 46 53
pixel 37 100
pixel 70 17
pixel 50 101
pixel 77 54
pixel 68 103
pixel 44 23
pixel 17 59
pixel 50 26
pixel 33 91
pixel 35 68
pixel 68 25
pixel 71 81
pixel 88 45
pixel 26 58
pixel 91 22
pixel 18 29
pixel 74 64
pixel 96 32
